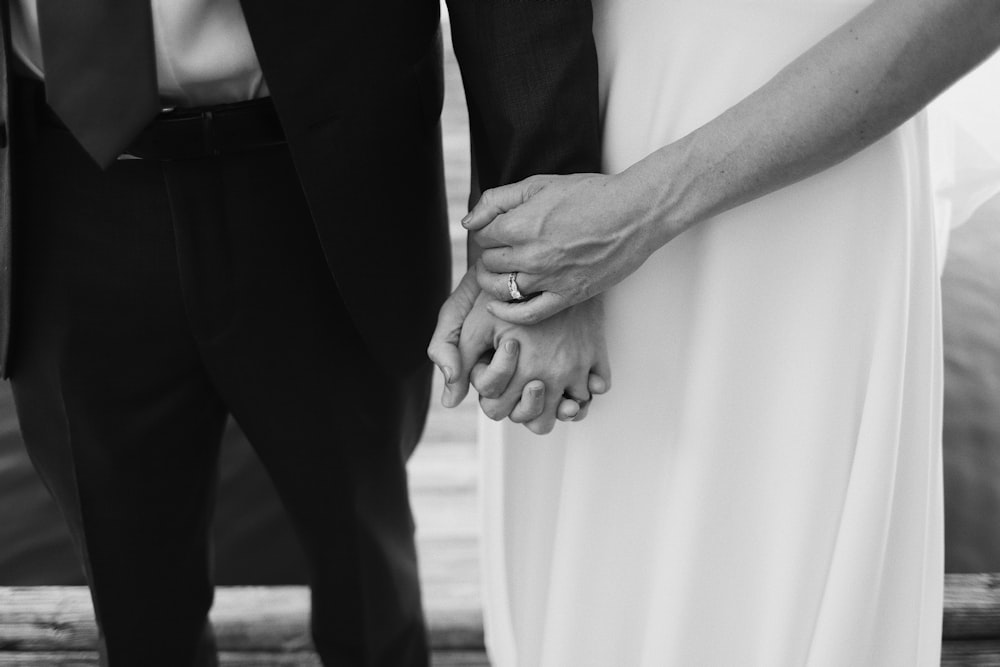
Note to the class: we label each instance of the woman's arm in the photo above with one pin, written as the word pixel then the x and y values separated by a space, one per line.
pixel 573 237
pixel 845 93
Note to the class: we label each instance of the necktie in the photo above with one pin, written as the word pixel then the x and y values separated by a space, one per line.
pixel 100 70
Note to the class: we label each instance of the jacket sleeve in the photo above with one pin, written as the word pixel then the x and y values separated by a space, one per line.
pixel 530 73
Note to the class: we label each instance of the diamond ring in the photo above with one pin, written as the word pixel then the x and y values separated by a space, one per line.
pixel 515 293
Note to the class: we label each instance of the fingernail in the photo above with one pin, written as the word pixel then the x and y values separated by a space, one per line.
pixel 465 220
pixel 510 346
pixel 448 374
pixel 536 390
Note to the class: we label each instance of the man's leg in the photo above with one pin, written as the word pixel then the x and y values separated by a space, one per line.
pixel 117 412
pixel 331 427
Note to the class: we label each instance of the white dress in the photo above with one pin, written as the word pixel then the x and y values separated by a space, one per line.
pixel 762 486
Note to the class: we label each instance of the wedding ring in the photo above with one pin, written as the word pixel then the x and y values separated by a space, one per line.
pixel 515 293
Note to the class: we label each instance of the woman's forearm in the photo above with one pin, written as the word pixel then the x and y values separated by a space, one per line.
pixel 848 91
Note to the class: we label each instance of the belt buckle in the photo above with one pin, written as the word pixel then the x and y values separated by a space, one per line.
pixel 125 155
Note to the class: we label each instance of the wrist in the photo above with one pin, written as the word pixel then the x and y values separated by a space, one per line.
pixel 673 181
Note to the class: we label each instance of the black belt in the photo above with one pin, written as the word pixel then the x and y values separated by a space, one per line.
pixel 184 134
pixel 210 131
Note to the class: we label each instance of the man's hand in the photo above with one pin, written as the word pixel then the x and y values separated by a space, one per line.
pixel 491 371
pixel 566 355
pixel 567 238
pixel 443 348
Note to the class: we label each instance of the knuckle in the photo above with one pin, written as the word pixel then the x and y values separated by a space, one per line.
pixel 490 409
pixel 539 427
pixel 548 258
pixel 530 415
pixel 532 317
pixel 489 390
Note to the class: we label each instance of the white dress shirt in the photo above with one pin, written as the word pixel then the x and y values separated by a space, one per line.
pixel 204 54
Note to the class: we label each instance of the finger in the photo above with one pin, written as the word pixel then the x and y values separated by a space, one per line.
pixel 532 311
pixel 547 420
pixel 495 201
pixel 505 258
pixel 491 380
pixel 597 384
pixel 494 284
pixel 443 351
pixel 568 410
pixel 470 352
pixel 579 395
pixel 497 285
pixel 600 376
pixel 532 403
pixel 579 391
pixel 502 407
pixel 454 393
pixel 443 346
pixel 493 235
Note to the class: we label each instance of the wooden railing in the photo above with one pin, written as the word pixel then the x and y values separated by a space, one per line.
pixel 54 625
pixel 269 625
pixel 971 632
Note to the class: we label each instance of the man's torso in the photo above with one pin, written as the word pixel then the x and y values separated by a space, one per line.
pixel 204 54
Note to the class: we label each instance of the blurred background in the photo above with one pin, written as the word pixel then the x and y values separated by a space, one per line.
pixel 255 545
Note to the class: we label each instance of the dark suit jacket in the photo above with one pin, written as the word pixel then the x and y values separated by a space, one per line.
pixel 358 87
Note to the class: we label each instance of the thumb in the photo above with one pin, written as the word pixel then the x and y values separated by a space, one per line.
pixel 499 200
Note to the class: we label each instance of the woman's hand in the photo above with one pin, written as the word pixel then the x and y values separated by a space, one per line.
pixel 570 237
pixel 567 238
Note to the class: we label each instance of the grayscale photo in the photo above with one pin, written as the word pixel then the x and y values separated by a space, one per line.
pixel 499 333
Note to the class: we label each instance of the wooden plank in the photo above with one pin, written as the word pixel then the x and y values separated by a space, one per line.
pixel 54 659
pixel 970 652
pixel 61 618
pixel 46 618
pixel 460 659
pixel 275 619
pixel 54 625
pixel 230 658
pixel 972 606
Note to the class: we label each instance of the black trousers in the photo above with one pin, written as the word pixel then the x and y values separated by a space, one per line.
pixel 153 300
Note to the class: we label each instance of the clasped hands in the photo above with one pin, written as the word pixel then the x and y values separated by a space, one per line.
pixel 566 239
pixel 532 375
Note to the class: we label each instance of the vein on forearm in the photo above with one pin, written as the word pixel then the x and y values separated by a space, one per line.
pixel 842 95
